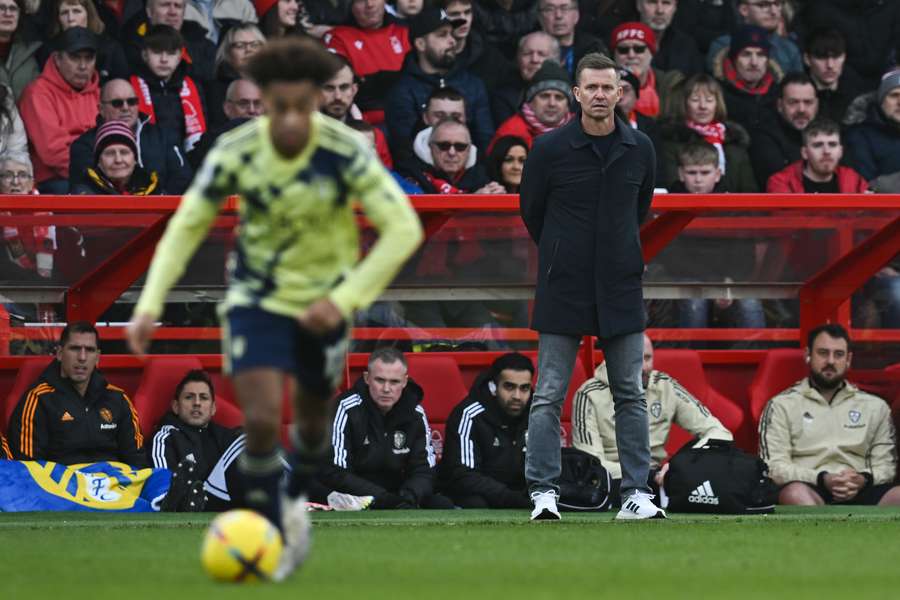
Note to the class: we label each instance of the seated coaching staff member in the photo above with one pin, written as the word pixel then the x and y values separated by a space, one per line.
pixel 484 457
pixel 381 439
pixel 188 433
pixel 71 415
pixel 825 440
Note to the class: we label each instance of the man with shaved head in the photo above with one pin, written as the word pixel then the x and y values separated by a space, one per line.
pixel 156 150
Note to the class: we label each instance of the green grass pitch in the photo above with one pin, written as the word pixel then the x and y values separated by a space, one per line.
pixel 833 552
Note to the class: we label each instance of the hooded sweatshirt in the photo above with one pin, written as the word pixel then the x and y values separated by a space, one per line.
pixel 55 114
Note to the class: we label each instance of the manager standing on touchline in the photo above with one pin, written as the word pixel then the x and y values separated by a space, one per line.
pixel 585 190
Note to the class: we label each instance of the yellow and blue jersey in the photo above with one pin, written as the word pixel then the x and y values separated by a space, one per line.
pixel 297 238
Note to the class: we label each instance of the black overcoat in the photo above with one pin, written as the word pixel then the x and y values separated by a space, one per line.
pixel 584 213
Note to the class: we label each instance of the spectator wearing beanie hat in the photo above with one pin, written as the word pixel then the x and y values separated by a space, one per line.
pixel 116 170
pixel 767 17
pixel 633 45
pixel 874 143
pixel 546 106
pixel 749 78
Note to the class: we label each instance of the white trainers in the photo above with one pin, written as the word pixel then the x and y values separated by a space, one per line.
pixel 544 506
pixel 341 501
pixel 297 532
pixel 639 506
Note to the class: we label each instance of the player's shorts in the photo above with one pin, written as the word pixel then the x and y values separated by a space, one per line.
pixel 257 338
pixel 868 496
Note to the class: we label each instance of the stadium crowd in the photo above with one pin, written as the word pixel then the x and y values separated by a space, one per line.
pixel 115 97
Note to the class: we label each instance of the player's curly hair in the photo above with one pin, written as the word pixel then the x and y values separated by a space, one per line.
pixel 292 59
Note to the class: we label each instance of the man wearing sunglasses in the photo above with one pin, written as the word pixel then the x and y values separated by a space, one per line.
pixel 634 45
pixel 156 150
pixel 445 163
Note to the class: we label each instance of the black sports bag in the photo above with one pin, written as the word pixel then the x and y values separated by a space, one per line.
pixel 719 478
pixel 584 483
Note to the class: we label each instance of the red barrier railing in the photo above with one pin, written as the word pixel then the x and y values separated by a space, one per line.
pixel 823 297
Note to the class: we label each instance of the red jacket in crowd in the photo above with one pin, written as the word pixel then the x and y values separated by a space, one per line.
pixel 790 180
pixel 55 114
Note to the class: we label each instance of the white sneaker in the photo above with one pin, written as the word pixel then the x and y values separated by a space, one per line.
pixel 544 506
pixel 639 506
pixel 297 532
pixel 341 501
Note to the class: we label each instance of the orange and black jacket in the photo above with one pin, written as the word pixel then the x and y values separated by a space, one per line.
pixel 5 452
pixel 54 422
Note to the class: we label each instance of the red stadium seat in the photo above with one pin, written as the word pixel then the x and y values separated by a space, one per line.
pixel 27 374
pixel 157 387
pixel 442 382
pixel 781 368
pixel 686 367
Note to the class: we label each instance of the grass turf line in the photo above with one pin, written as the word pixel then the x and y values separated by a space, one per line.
pixel 797 553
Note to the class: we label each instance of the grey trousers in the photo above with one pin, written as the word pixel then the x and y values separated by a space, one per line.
pixel 556 359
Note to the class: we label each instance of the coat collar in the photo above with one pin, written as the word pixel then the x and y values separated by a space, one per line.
pixel 579 139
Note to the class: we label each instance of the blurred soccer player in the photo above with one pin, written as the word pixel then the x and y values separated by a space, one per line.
pixel 295 276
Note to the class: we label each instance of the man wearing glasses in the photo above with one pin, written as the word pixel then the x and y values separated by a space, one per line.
pixel 634 45
pixel 447 163
pixel 157 152
pixel 768 15
pixel 243 101
pixel 559 18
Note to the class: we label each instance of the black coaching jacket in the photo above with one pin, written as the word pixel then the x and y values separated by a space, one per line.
pixel 484 451
pixel 175 440
pixel 584 211
pixel 54 422
pixel 377 454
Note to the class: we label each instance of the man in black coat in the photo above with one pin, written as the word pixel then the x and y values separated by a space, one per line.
pixel 187 433
pixel 158 150
pixel 776 146
pixel 484 456
pixel 381 439
pixel 586 188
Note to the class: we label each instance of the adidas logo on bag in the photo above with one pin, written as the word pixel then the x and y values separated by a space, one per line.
pixel 704 494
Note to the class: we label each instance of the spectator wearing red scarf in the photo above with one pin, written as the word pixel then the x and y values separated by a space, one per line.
pixel 749 78
pixel 172 98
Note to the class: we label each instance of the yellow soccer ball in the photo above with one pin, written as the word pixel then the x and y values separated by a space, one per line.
pixel 241 546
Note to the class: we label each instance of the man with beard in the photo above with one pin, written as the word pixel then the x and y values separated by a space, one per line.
pixel 338 95
pixel 431 65
pixel 778 145
pixel 819 170
pixel 825 440
pixel 484 456
pixel 546 105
